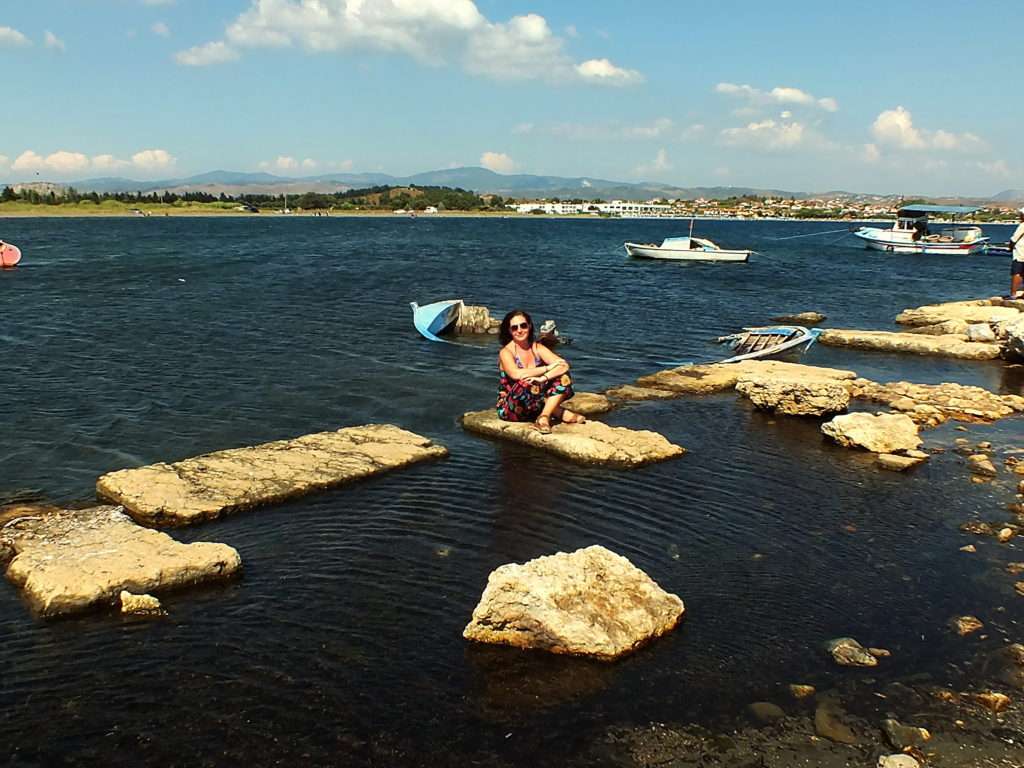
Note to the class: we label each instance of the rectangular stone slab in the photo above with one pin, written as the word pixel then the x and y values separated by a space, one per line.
pixel 911 343
pixel 217 483
pixel 72 560
pixel 590 443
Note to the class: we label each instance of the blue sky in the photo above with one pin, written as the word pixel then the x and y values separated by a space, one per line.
pixel 912 98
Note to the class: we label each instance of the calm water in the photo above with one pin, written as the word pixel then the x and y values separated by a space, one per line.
pixel 124 342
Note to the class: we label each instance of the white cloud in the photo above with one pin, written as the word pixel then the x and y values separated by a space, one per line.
pixel 344 165
pixel 50 40
pixel 204 55
pixel 660 164
pixel 498 162
pixel 785 114
pixel 895 128
pixel 997 168
pixel 651 130
pixel 308 164
pixel 870 154
pixel 153 160
pixel 11 36
pixel 282 163
pixel 4 161
pixel 692 132
pixel 434 32
pixel 161 29
pixel 777 95
pixel 603 71
pixel 28 161
pixel 613 130
pixel 765 135
pixel 108 163
pixel 571 31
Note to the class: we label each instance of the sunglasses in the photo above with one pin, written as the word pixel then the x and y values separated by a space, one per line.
pixel 519 326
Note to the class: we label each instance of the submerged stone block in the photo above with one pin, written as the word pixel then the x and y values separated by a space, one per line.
pixel 71 560
pixel 911 343
pixel 214 484
pixel 590 443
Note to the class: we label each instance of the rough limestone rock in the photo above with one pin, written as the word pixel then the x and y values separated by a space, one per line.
pixel 897 761
pixel 1013 335
pixel 965 625
pixel 801 318
pixel 992 701
pixel 980 332
pixel 904 736
pixel 716 377
pixel 630 392
pixel 897 463
pixel 475 320
pixel 947 328
pixel 589 404
pixel 849 653
pixel 971 312
pixel 911 343
pixel 795 396
pixel 829 723
pixel 214 484
pixel 980 464
pixel 590 443
pixel 591 602
pixel 72 560
pixel 932 404
pixel 766 711
pixel 801 691
pixel 140 605
pixel 880 433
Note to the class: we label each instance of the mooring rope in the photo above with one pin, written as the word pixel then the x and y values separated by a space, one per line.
pixel 813 234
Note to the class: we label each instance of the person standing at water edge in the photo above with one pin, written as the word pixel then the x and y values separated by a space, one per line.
pixel 534 380
pixel 1017 262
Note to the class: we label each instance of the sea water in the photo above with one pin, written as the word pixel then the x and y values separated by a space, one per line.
pixel 130 341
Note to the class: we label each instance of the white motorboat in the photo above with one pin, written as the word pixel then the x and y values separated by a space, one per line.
pixel 911 233
pixel 685 249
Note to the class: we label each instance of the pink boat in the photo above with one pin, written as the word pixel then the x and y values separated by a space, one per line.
pixel 10 255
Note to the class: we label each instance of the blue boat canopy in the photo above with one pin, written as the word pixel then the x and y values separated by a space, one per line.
pixel 922 208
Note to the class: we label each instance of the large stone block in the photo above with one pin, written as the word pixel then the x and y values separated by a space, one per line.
pixel 214 484
pixel 591 602
pixel 881 433
pixel 795 397
pixel 71 560
pixel 911 343
pixel 590 443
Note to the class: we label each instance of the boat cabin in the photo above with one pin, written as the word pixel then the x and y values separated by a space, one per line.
pixel 913 220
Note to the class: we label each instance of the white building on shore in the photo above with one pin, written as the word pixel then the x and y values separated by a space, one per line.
pixel 622 208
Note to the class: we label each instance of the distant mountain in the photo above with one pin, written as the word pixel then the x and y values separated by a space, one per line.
pixel 1009 196
pixel 480 180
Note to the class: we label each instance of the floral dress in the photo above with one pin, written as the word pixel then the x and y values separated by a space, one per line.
pixel 522 401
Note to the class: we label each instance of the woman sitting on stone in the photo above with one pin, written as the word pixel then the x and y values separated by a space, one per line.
pixel 534 380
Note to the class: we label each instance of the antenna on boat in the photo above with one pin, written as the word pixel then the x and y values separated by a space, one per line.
pixel 691 227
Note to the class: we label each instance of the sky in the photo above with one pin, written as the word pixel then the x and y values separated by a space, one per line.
pixel 906 98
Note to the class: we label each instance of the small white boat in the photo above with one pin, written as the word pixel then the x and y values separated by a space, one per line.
pixel 911 233
pixel 685 249
pixel 769 341
pixel 432 320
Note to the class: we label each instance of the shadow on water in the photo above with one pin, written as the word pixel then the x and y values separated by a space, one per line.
pixel 341 642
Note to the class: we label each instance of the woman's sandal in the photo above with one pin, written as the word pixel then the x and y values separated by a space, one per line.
pixel 543 425
pixel 576 418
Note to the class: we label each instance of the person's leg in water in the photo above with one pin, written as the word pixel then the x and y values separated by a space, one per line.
pixel 1016 278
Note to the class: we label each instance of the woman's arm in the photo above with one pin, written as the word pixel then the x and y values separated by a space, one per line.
pixel 554 365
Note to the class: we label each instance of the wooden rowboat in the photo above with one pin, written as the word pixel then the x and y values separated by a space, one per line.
pixel 769 341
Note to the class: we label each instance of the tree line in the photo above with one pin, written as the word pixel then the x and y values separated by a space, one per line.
pixel 380 197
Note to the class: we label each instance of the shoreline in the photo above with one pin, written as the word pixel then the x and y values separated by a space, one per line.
pixel 205 214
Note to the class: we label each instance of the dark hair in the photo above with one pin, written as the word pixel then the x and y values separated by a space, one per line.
pixel 505 333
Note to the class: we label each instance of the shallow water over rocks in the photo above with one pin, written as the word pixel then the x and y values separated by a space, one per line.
pixel 126 342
